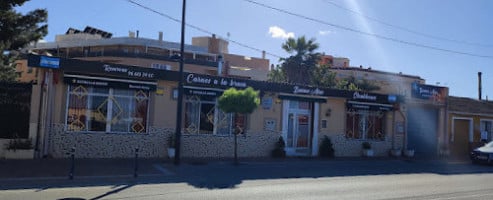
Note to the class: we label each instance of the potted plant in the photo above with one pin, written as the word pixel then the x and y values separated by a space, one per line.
pixel 367 151
pixel 444 150
pixel 171 146
pixel 278 151
pixel 396 152
pixel 326 148
pixel 409 152
pixel 19 149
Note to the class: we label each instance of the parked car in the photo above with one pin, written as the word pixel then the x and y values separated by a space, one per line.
pixel 483 154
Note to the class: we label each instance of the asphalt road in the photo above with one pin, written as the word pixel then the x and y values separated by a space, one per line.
pixel 409 186
pixel 282 180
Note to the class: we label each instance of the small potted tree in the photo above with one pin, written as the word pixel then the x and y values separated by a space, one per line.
pixel 367 151
pixel 395 152
pixel 243 101
pixel 409 152
pixel 171 146
pixel 278 151
pixel 19 149
pixel 326 148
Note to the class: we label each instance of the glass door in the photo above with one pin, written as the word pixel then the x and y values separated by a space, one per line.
pixel 298 131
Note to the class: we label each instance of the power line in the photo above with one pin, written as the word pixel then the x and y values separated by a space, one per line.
pixel 368 34
pixel 201 29
pixel 407 29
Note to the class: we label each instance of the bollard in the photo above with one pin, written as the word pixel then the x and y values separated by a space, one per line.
pixel 136 166
pixel 72 164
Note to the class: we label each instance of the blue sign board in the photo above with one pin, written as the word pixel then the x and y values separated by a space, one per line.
pixel 428 92
pixel 49 62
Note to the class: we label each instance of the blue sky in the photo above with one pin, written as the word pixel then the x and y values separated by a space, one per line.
pixel 461 26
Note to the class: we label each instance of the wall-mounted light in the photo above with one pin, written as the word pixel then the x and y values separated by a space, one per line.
pixel 174 93
pixel 327 112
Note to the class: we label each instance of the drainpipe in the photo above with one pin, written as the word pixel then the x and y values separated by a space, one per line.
pixel 393 130
pixel 40 107
pixel 51 107
pixel 404 145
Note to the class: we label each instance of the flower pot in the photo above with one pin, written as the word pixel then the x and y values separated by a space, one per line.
pixel 396 152
pixel 368 152
pixel 409 153
pixel 19 154
pixel 171 152
pixel 445 152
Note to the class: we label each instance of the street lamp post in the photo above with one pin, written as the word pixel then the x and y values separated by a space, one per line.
pixel 180 90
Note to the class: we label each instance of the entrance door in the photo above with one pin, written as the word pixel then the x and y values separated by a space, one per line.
pixel 422 129
pixel 298 139
pixel 297 128
pixel 460 145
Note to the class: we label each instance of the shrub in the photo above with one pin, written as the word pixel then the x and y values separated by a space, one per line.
pixel 366 145
pixel 171 141
pixel 326 148
pixel 19 144
pixel 278 151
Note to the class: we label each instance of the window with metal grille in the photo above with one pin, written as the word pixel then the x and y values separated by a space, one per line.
pixel 202 116
pixel 109 110
pixel 365 124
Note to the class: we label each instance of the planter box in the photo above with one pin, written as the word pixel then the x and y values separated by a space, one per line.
pixel 19 154
pixel 171 152
pixel 368 152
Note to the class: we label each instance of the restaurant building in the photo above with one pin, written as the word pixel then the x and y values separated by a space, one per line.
pixel 108 110
pixel 107 96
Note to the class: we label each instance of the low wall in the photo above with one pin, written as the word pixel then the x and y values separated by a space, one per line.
pixel 102 145
pixel 213 146
pixel 154 144
pixel 351 147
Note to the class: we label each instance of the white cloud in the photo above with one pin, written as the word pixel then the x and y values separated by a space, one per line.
pixel 326 32
pixel 278 32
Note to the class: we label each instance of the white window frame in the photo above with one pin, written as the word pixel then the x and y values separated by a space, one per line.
pixel 490 132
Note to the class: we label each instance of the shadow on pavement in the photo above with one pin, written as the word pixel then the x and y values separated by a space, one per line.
pixel 220 174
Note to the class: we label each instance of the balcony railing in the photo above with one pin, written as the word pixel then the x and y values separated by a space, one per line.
pixel 121 53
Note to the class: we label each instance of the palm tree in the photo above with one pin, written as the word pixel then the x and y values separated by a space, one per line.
pixel 303 59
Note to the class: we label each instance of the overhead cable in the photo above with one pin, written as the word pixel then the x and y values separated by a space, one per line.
pixel 201 29
pixel 368 34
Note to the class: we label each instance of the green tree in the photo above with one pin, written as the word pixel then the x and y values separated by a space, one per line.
pixel 277 75
pixel 299 66
pixel 238 101
pixel 17 31
pixel 354 84
pixel 323 77
pixel 367 86
pixel 344 84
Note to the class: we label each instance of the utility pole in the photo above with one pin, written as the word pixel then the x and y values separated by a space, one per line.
pixel 479 85
pixel 180 89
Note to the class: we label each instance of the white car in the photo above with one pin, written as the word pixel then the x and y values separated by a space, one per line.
pixel 483 154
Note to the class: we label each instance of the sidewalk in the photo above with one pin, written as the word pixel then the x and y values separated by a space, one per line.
pixel 207 173
pixel 60 168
